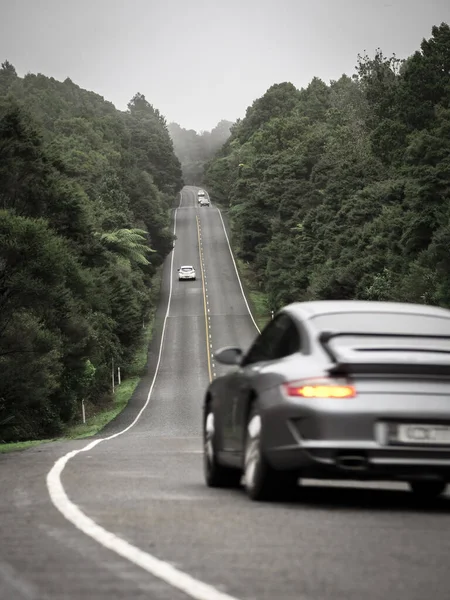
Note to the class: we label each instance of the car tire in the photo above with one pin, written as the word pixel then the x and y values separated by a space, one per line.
pixel 216 475
pixel 427 490
pixel 263 482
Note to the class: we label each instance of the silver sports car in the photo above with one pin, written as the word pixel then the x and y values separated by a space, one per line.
pixel 334 390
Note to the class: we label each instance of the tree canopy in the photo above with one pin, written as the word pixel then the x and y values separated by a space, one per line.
pixel 343 190
pixel 86 193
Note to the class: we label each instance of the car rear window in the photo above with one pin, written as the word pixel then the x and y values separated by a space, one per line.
pixel 391 323
pixel 186 268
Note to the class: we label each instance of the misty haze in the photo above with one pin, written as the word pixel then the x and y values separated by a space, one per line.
pixel 224 300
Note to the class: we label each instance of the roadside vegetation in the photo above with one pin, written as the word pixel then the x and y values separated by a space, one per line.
pixel 86 193
pixel 342 191
pixel 96 418
pixel 256 298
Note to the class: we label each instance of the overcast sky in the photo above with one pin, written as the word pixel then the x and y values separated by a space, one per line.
pixel 200 61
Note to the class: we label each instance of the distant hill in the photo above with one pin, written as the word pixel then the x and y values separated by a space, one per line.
pixel 194 150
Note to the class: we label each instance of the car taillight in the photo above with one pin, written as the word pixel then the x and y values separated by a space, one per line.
pixel 319 388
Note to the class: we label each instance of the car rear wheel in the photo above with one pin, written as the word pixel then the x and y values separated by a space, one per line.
pixel 263 482
pixel 427 489
pixel 216 475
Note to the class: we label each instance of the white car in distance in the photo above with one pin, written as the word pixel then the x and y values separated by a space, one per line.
pixel 186 272
pixel 204 202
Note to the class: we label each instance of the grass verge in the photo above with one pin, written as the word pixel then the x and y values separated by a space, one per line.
pixel 16 446
pixel 256 298
pixel 122 394
pixel 125 390
pixel 96 423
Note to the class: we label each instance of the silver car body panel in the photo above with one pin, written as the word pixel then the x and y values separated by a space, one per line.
pixel 402 389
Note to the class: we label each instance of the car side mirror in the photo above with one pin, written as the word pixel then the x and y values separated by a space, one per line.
pixel 178 270
pixel 228 356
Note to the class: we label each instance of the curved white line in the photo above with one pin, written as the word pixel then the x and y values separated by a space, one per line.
pixel 158 568
pixel 237 273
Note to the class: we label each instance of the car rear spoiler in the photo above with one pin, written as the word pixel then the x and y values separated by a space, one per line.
pixel 368 359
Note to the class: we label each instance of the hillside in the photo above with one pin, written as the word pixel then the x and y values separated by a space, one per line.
pixel 194 150
pixel 86 192
pixel 343 190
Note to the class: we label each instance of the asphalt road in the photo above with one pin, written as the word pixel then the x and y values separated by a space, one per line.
pixel 140 496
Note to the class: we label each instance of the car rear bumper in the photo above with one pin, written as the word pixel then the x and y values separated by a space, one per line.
pixel 321 441
pixel 190 277
pixel 363 461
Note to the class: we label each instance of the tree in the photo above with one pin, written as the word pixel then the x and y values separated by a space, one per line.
pixel 85 198
pixel 128 244
pixel 342 190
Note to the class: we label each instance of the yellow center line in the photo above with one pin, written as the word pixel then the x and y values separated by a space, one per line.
pixel 200 252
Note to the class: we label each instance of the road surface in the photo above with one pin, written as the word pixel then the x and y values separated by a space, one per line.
pixel 130 516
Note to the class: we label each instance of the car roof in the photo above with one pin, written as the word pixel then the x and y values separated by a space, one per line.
pixel 186 267
pixel 309 310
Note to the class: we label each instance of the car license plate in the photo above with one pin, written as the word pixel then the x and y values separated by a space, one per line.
pixel 432 435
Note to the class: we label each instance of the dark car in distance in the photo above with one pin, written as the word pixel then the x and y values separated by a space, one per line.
pixel 353 390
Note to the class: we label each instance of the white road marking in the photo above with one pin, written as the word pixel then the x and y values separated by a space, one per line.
pixel 192 587
pixel 237 273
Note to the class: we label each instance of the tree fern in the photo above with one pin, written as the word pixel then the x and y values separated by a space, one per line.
pixel 129 244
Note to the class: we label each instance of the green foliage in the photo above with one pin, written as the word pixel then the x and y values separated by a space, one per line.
pixel 343 191
pixel 85 198
pixel 128 244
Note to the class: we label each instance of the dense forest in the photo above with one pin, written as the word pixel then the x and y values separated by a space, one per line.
pixel 343 190
pixel 195 150
pixel 85 198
